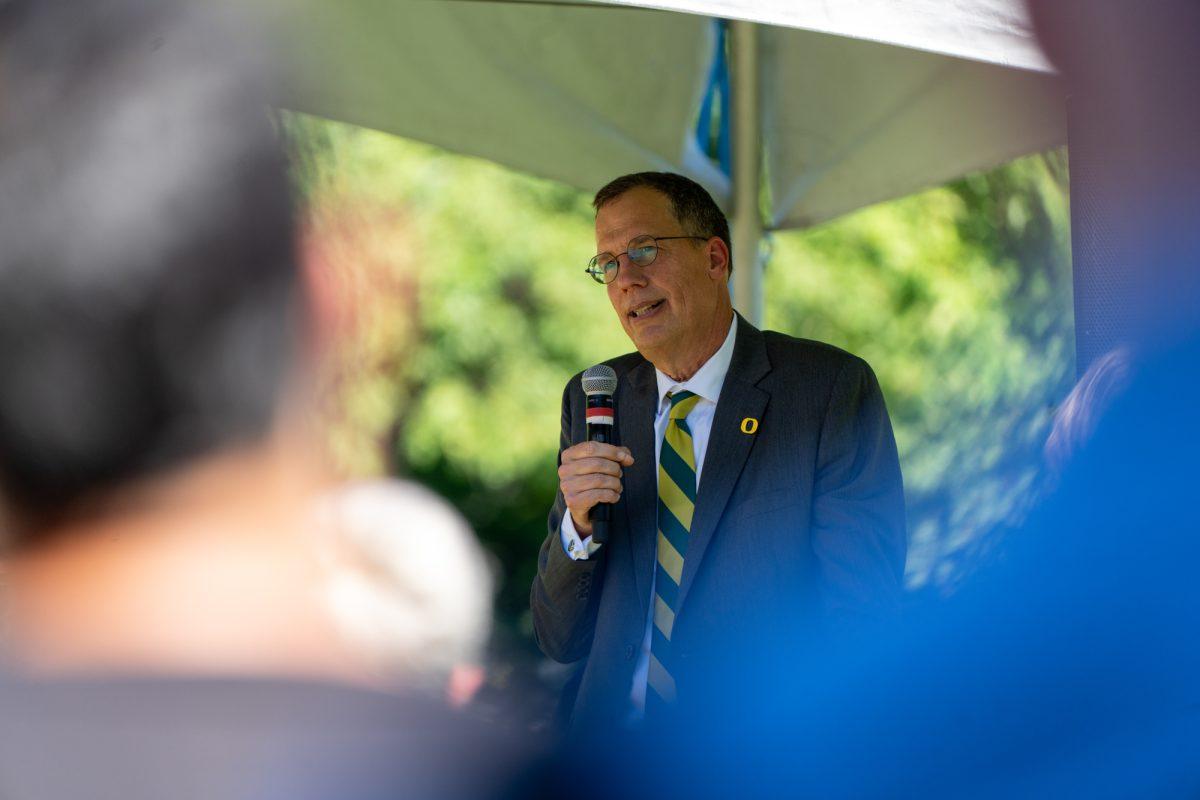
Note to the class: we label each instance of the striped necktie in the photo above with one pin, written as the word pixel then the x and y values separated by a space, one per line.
pixel 676 501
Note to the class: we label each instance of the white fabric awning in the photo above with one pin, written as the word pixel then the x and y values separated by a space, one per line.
pixel 861 100
pixel 992 31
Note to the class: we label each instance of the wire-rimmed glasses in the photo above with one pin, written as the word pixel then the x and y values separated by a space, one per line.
pixel 642 250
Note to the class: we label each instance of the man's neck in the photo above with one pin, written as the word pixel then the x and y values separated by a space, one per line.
pixel 683 369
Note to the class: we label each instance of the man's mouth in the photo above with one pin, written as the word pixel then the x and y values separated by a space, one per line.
pixel 645 309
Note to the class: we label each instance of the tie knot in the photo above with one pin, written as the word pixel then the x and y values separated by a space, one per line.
pixel 682 403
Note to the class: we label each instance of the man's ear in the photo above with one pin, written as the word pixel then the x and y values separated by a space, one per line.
pixel 718 258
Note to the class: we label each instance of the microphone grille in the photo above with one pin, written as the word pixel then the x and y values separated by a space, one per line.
pixel 600 379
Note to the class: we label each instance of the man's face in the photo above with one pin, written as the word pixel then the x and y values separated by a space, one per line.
pixel 669 307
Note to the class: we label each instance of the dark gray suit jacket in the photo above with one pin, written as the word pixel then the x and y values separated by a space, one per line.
pixel 797 525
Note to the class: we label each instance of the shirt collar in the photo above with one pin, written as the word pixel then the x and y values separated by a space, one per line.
pixel 708 379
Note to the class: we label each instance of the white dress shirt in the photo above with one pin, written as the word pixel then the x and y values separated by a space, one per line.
pixel 707 384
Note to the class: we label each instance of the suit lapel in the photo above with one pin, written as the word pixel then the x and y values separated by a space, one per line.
pixel 728 446
pixel 635 423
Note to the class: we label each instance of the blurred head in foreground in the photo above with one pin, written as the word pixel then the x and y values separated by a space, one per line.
pixel 167 628
pixel 1134 124
pixel 148 273
pixel 148 327
pixel 410 586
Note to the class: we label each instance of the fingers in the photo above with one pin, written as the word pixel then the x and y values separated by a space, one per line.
pixel 580 503
pixel 584 500
pixel 590 474
pixel 620 455
pixel 583 491
pixel 589 466
pixel 577 484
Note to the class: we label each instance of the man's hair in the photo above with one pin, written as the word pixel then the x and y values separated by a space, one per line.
pixel 691 204
pixel 147 268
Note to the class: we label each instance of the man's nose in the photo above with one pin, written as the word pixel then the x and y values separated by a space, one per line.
pixel 629 274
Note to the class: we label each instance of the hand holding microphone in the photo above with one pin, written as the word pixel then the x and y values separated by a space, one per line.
pixel 590 474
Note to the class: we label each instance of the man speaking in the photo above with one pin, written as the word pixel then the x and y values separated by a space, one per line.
pixel 756 490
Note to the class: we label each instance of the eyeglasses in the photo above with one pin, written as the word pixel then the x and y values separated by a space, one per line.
pixel 642 251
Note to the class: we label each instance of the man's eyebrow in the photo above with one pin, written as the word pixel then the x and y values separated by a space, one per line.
pixel 603 238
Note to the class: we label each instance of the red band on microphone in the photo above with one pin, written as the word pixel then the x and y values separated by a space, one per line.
pixel 600 416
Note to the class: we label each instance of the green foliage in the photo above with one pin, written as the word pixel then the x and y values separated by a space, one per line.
pixel 958 297
pixel 503 316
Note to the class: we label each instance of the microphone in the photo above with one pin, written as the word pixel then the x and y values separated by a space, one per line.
pixel 599 383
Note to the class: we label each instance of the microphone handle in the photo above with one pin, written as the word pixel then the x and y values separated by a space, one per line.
pixel 600 431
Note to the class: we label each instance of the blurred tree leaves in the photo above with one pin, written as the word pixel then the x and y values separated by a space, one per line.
pixel 463 391
pixel 960 298
pixel 463 310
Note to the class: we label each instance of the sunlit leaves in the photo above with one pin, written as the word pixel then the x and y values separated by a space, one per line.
pixel 472 310
pixel 959 299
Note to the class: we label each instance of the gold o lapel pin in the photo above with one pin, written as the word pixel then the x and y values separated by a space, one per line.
pixel 749 425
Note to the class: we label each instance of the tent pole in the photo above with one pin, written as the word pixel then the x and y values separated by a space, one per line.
pixel 746 223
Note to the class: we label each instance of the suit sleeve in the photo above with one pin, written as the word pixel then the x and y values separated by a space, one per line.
pixel 859 537
pixel 562 598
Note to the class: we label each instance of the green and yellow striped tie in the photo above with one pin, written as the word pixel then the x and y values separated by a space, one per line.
pixel 676 501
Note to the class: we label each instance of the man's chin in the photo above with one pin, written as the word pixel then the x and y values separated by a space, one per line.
pixel 650 343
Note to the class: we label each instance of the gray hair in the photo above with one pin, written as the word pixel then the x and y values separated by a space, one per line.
pixel 411 586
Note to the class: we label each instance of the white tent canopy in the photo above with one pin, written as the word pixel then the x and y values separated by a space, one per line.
pixel 834 105
pixel 993 31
